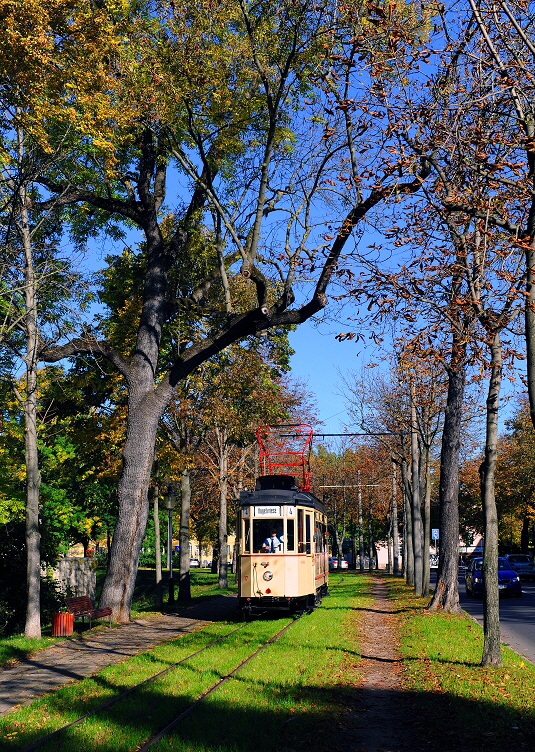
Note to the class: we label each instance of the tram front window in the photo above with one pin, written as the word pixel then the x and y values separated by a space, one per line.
pixel 268 536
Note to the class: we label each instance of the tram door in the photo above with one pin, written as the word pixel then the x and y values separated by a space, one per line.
pixel 306 555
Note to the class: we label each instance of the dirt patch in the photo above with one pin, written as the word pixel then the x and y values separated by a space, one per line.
pixel 382 716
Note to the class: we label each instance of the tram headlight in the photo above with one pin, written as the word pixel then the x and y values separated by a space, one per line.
pixel 268 576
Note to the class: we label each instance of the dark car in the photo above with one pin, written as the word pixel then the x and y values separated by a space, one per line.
pixel 508 579
pixel 523 565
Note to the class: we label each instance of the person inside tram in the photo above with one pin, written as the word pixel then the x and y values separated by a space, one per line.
pixel 274 543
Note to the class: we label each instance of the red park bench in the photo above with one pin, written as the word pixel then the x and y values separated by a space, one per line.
pixel 82 606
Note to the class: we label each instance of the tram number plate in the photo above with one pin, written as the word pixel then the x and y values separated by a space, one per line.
pixel 267 511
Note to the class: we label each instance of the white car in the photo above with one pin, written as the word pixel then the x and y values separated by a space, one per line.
pixel 522 564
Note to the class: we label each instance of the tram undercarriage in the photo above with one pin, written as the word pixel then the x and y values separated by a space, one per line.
pixel 303 604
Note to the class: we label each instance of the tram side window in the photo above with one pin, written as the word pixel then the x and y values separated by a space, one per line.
pixel 290 535
pixel 300 531
pixel 308 531
pixel 246 544
pixel 319 540
pixel 262 532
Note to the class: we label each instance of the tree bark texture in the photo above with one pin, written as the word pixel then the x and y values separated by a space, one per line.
pixel 371 547
pixel 426 519
pixel 132 516
pixel 222 439
pixel 492 655
pixel 446 596
pixel 32 626
pixel 530 327
pixel 409 549
pixel 361 522
pixel 184 585
pixel 417 528
pixel 395 530
pixel 157 538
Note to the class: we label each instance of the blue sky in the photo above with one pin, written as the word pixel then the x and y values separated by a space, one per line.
pixel 320 360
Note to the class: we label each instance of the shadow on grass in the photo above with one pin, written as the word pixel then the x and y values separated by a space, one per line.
pixel 270 715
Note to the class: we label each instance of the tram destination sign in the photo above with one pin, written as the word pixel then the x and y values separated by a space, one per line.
pixel 266 511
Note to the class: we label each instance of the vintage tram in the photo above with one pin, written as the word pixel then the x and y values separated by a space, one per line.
pixel 282 531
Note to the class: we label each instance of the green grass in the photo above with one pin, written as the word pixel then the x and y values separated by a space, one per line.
pixel 494 707
pixel 203 585
pixel 289 690
pixel 18 647
pixel 289 697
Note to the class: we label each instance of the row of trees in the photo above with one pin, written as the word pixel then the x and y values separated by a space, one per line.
pixel 246 145
pixel 209 131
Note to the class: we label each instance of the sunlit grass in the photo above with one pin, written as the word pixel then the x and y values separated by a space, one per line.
pixel 291 695
pixel 18 647
pixel 203 585
pixel 294 684
pixel 493 707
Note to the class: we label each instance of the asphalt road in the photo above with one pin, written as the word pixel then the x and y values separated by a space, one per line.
pixel 517 617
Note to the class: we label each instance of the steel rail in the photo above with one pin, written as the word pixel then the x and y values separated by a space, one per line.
pixel 170 726
pixel 128 692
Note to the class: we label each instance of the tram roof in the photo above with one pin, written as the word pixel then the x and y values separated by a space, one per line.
pixel 280 489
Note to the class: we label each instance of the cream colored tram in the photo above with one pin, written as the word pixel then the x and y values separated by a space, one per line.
pixel 292 576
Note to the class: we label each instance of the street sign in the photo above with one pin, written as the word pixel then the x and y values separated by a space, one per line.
pixel 435 533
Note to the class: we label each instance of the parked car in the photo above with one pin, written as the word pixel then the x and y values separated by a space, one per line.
pixel 333 563
pixel 508 580
pixel 523 564
pixel 194 563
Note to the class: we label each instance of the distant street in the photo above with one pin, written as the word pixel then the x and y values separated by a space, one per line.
pixel 517 617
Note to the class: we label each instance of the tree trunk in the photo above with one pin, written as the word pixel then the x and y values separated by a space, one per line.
pixel 524 535
pixel 361 532
pixel 33 479
pixel 491 603
pixel 446 596
pixel 223 485
pixel 371 547
pixel 395 530
pixel 417 529
pixel 529 317
pixel 157 539
pixel 389 566
pixel 184 588
pixel 426 519
pixel 133 510
pixel 409 548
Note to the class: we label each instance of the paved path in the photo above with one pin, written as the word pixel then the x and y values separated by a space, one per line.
pixel 382 715
pixel 72 660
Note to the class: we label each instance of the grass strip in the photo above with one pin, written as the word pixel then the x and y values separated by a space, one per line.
pixel 18 647
pixel 494 707
pixel 204 584
pixel 21 728
pixel 309 671
pixel 290 696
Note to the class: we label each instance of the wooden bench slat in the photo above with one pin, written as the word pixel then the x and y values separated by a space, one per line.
pixel 81 606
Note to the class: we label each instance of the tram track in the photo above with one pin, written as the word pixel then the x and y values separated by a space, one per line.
pixel 128 692
pixel 55 735
pixel 185 713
